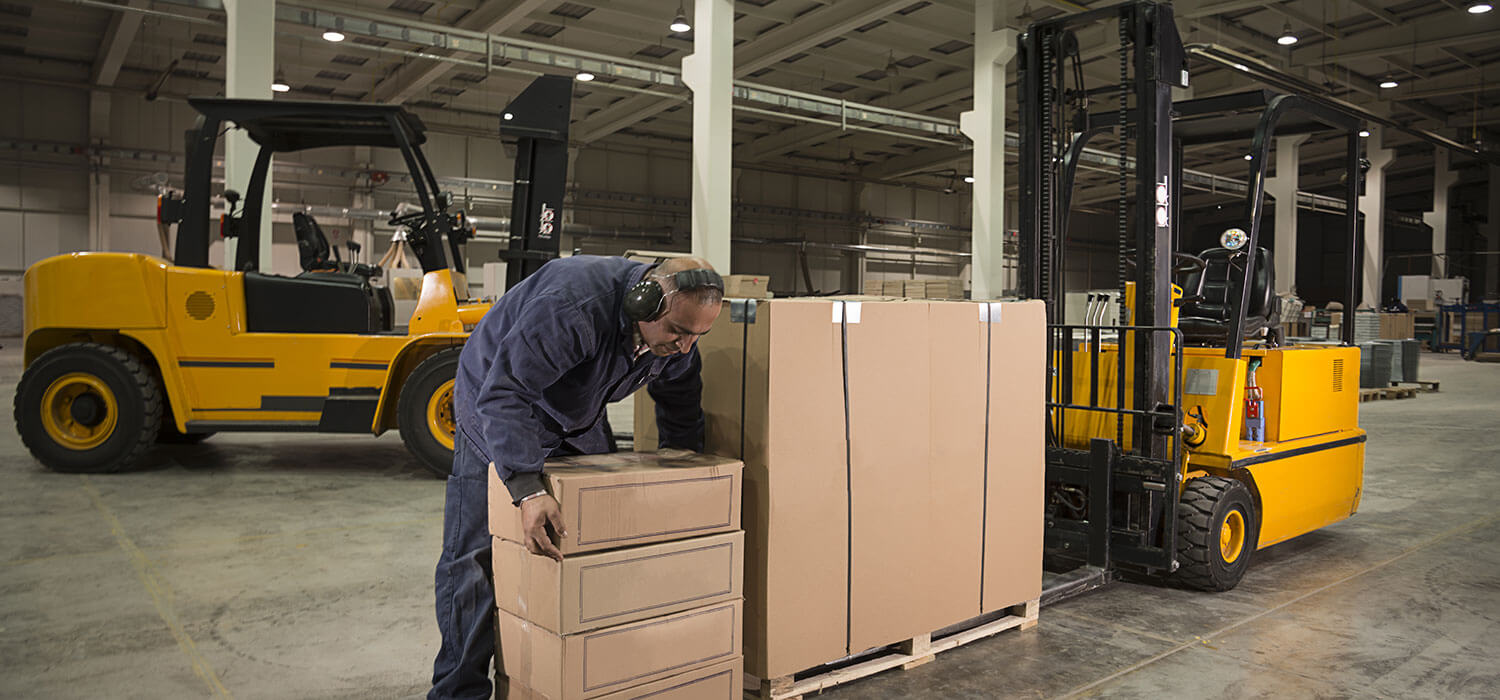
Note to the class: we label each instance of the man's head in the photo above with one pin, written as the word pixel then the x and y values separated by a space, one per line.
pixel 687 313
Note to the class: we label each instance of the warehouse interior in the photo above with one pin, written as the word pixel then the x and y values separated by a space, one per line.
pixel 814 151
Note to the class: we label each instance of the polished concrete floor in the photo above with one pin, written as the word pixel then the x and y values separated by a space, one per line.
pixel 259 566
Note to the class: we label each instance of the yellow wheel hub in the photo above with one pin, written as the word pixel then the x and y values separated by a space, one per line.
pixel 1232 536
pixel 79 411
pixel 440 414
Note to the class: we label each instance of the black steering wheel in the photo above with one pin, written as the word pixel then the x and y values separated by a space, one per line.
pixel 1187 263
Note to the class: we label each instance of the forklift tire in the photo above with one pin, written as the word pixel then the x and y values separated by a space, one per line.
pixel 1217 531
pixel 424 412
pixel 88 408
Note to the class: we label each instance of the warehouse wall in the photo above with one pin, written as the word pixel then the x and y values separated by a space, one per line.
pixel 44 197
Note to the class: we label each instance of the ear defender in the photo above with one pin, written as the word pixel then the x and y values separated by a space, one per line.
pixel 645 301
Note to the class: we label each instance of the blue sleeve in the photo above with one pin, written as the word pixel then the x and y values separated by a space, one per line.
pixel 678 393
pixel 548 338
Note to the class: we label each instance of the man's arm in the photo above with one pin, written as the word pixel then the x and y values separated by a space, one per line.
pixel 678 393
pixel 548 338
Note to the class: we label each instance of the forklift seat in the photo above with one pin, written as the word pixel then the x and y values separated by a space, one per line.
pixel 1205 320
pixel 317 255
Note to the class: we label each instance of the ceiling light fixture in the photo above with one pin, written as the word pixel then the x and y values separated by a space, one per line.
pixel 507 116
pixel 1287 38
pixel 1389 82
pixel 584 76
pixel 280 84
pixel 1249 157
pixel 1479 8
pixel 969 179
pixel 1364 133
pixel 679 23
pixel 333 36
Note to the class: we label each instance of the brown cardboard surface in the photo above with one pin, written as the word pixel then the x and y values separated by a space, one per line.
pixel 629 498
pixel 604 661
pixel 1014 495
pixel 720 681
pixel 600 589
pixel 746 286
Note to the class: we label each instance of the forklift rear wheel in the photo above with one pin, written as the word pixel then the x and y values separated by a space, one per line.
pixel 87 408
pixel 1216 533
pixel 425 411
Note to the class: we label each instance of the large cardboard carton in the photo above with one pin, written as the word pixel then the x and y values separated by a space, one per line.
pixel 604 661
pixel 919 507
pixel 601 589
pixel 627 499
pixel 1397 326
pixel 719 681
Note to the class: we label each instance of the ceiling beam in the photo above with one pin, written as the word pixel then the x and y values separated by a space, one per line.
pixel 1379 12
pixel 492 17
pixel 1433 31
pixel 763 51
pixel 117 40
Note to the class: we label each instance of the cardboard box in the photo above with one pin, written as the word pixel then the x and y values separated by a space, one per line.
pixel 874 288
pixel 746 286
pixel 893 288
pixel 629 498
pixel 914 289
pixel 951 288
pixel 717 682
pixel 899 530
pixel 1399 326
pixel 600 662
pixel 589 591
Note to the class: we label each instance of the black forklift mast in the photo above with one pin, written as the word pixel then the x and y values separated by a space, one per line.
pixel 1123 500
pixel 538 120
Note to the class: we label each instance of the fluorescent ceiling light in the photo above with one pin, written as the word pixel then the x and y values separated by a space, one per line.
pixel 1479 8
pixel 507 116
pixel 331 35
pixel 1389 83
pixel 584 76
pixel 1364 133
pixel 279 86
pixel 969 179
pixel 1287 38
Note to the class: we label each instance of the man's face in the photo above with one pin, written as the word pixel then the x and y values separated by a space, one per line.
pixel 677 329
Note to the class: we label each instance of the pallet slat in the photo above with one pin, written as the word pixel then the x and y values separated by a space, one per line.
pixel 906 654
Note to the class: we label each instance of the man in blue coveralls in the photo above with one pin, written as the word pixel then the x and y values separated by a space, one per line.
pixel 533 382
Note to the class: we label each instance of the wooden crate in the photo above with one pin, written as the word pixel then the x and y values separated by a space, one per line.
pixel 906 654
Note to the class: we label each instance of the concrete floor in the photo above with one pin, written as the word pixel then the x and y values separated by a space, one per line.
pixel 301 567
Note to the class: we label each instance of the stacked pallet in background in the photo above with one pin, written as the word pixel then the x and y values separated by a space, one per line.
pixel 747 286
pixel 647 598
pixel 944 288
pixel 893 456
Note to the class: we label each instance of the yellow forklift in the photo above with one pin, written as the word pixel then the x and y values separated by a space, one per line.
pixel 1184 433
pixel 123 350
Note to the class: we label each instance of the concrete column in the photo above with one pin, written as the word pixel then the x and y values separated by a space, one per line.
pixel 709 71
pixel 1372 206
pixel 99 187
pixel 985 127
pixel 1443 179
pixel 250 60
pixel 1283 186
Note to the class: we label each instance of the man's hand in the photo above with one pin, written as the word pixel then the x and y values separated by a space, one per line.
pixel 536 513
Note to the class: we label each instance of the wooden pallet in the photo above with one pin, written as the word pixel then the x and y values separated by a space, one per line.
pixel 1400 392
pixel 906 654
pixel 1420 386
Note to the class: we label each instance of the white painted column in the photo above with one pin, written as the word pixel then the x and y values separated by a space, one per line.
pixel 1443 179
pixel 985 127
pixel 1372 206
pixel 249 69
pixel 1283 186
pixel 709 71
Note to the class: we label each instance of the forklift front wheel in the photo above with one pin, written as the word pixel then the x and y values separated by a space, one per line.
pixel 87 408
pixel 1217 530
pixel 425 411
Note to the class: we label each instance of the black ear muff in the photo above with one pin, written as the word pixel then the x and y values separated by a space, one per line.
pixel 643 302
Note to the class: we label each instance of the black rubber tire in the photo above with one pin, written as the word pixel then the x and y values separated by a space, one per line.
pixel 411 410
pixel 138 399
pixel 1206 504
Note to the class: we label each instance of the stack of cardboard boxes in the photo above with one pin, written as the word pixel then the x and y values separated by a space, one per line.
pixel 942 288
pixel 647 599
pixel 893 455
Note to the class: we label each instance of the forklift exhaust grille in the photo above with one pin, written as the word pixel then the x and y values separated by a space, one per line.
pixel 1338 375
pixel 200 305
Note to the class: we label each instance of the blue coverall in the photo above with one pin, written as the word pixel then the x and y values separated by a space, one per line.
pixel 533 382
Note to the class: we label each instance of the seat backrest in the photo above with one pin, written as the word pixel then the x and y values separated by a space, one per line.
pixel 312 245
pixel 1224 268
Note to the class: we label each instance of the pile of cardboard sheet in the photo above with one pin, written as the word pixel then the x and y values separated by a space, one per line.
pixel 893 456
pixel 943 288
pixel 647 598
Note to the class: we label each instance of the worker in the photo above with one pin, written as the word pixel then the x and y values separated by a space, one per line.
pixel 533 382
